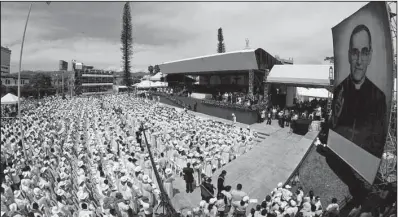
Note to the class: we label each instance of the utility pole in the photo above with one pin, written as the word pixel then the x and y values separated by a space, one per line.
pixel 63 85
pixel 19 84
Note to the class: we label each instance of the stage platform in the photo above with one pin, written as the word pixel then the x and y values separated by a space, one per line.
pixel 259 171
pixel 247 117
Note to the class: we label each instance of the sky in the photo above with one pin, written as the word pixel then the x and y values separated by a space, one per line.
pixel 89 32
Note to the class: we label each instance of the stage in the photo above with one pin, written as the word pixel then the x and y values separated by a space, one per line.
pixel 246 117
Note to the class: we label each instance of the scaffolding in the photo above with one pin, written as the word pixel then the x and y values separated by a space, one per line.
pixel 388 167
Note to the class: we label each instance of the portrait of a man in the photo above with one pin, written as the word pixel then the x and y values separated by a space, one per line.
pixel 359 109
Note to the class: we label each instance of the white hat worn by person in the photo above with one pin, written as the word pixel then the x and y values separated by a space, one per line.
pixel 36 191
pixel 82 195
pixel 202 203
pixel 55 210
pixel 246 199
pixel 145 178
pixel 168 171
pixel 123 179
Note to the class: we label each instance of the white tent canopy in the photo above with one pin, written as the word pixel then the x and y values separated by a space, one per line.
pixel 9 99
pixel 156 77
pixel 144 84
pixel 300 75
pixel 160 84
pixel 313 92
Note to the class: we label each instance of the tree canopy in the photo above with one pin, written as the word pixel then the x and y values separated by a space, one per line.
pixel 127 44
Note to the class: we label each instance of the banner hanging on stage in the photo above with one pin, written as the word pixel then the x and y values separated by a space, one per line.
pixel 363 77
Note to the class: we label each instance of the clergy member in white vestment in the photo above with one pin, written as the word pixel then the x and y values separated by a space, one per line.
pixel 168 182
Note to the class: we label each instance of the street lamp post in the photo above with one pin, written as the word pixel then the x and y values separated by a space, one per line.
pixel 19 83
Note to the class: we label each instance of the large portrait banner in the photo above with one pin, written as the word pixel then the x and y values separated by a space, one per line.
pixel 363 82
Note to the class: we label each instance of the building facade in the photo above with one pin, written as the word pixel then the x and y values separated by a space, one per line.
pixel 94 81
pixel 10 80
pixel 5 60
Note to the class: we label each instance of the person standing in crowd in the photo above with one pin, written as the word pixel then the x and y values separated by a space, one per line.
pixel 188 177
pixel 269 117
pixel 318 113
pixel 233 119
pixel 333 209
pixel 262 115
pixel 162 162
pixel 207 190
pixel 221 181
pixel 274 112
pixel 281 118
pixel 168 182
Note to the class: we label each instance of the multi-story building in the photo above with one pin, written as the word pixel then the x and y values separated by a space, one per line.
pixel 5 60
pixel 10 80
pixel 94 81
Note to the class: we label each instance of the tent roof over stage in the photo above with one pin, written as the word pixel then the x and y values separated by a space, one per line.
pixel 156 77
pixel 301 75
pixel 253 59
pixel 9 98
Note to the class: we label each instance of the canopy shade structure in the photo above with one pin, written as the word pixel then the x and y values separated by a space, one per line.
pixel 156 77
pixel 243 60
pixel 160 84
pixel 316 76
pixel 8 99
pixel 144 84
pixel 313 92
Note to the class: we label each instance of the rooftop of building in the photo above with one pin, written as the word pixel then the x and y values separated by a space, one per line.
pixel 6 49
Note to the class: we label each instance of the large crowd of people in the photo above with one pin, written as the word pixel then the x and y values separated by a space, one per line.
pixel 88 156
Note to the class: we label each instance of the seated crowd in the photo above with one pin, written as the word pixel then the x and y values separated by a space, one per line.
pixel 282 202
pixel 86 156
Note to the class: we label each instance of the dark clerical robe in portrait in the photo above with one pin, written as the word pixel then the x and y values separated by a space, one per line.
pixel 363 119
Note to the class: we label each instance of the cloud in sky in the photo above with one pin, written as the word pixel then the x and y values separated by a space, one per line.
pixel 165 31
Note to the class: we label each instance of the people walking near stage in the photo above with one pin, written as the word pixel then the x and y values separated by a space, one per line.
pixel 207 190
pixel 188 177
pixel 221 182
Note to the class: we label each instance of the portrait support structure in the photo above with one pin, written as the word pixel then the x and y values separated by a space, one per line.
pixel 388 170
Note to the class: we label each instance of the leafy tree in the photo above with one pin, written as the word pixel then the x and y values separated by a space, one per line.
pixel 221 45
pixel 127 45
pixel 42 84
pixel 150 69
pixel 157 69
pixel 330 59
